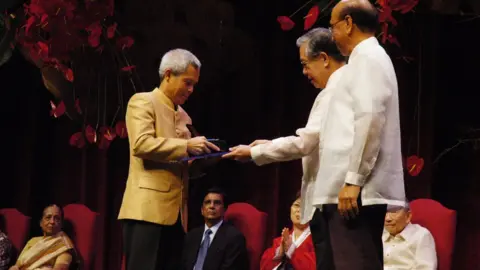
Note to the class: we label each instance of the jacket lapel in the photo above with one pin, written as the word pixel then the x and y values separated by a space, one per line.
pixel 194 246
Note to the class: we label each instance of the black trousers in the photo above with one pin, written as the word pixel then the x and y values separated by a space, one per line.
pixel 150 246
pixel 342 244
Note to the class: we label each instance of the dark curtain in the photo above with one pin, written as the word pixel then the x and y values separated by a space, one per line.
pixel 251 87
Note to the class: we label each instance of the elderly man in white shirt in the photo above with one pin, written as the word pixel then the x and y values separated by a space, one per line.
pixel 361 163
pixel 405 245
pixel 323 65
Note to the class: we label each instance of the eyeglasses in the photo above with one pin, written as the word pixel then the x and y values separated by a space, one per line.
pixel 332 26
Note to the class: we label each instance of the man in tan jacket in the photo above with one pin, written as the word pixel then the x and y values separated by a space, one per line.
pixel 154 203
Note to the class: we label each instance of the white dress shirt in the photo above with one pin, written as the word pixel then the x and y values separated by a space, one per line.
pixel 362 132
pixel 306 145
pixel 214 230
pixel 413 249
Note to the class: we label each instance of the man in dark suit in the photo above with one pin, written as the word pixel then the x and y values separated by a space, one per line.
pixel 217 245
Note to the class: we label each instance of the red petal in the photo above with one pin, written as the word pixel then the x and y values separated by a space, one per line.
pixel 111 30
pixel 108 133
pixel 91 134
pixel 285 23
pixel 77 106
pixel 385 32
pixel 31 21
pixel 393 40
pixel 128 68
pixel 69 75
pixel 77 140
pixel 125 42
pixel 311 17
pixel 95 33
pixel 57 110
pixel 415 165
pixel 121 129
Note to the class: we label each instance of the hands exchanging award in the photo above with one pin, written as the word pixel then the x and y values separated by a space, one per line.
pixel 242 152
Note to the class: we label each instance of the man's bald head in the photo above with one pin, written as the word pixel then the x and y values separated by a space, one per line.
pixel 364 14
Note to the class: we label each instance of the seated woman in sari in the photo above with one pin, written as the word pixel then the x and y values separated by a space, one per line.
pixel 294 249
pixel 52 251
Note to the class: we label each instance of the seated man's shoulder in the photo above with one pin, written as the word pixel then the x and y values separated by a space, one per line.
pixel 421 231
pixel 233 231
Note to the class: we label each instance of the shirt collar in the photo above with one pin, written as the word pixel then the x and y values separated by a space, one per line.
pixel 405 234
pixel 214 228
pixel 163 98
pixel 335 77
pixel 364 44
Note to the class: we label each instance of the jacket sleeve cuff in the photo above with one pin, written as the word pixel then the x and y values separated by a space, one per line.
pixel 277 256
pixel 356 179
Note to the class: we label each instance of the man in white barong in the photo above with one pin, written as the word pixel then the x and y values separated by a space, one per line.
pixel 323 65
pixel 361 164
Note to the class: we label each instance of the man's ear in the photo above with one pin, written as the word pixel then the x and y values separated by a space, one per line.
pixel 326 59
pixel 349 24
pixel 167 75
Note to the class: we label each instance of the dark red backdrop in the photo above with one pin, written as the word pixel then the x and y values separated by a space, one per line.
pixel 251 87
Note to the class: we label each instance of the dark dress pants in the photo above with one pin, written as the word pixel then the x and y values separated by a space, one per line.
pixel 150 246
pixel 354 244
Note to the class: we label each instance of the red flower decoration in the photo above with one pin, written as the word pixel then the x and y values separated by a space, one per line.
pixel 107 136
pixel 57 110
pixel 77 106
pixel 77 140
pixel 91 134
pixel 128 68
pixel 108 133
pixel 285 23
pixel 311 17
pixel 121 129
pixel 393 40
pixel 125 42
pixel 415 165
pixel 386 16
pixel 95 32
pixel 111 30
pixel 403 6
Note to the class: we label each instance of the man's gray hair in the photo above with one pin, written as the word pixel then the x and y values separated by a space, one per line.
pixel 177 61
pixel 319 40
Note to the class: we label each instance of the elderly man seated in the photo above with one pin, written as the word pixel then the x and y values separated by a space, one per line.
pixel 52 251
pixel 407 245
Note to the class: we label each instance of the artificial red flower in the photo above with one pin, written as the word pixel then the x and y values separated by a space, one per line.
pixel 125 42
pixel 121 129
pixel 128 68
pixel 57 110
pixel 42 50
pixel 77 106
pixel 95 32
pixel 285 23
pixel 311 17
pixel 91 134
pixel 77 140
pixel 415 165
pixel 393 40
pixel 108 133
pixel 30 22
pixel 386 16
pixel 403 6
pixel 111 30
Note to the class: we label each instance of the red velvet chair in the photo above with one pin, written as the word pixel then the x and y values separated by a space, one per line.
pixel 17 226
pixel 253 224
pixel 83 232
pixel 441 222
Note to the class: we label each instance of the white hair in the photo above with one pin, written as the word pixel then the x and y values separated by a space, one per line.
pixel 177 61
